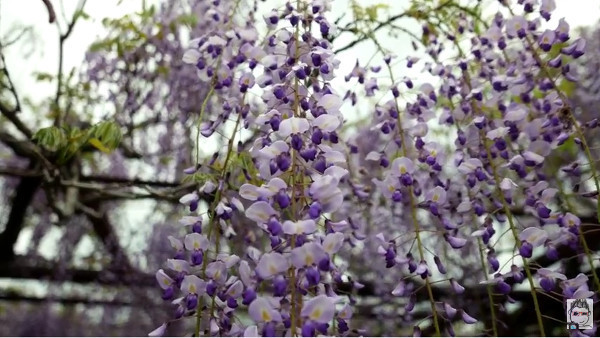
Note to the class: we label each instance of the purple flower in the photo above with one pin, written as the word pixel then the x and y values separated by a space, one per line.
pixel 320 309
pixel 459 289
pixel 455 242
pixel 526 249
pixel 274 227
pixel 503 287
pixel 547 7
pixel 450 311
pixel 546 40
pixel 280 286
pixel 436 195
pixel 283 199
pixel 163 279
pixel 293 125
pixel 423 270
pixel 569 220
pixel 516 273
pixel 410 305
pixel 548 277
pixel 192 284
pixel 552 253
pixel 403 166
pixel 543 211
pixel 159 331
pixel 271 264
pixel 248 296
pixel 466 318
pixel 516 27
pixel 262 311
pixel 178 265
pixel 307 255
pixel 333 242
pixel 562 30
pixel 313 276
pixel 440 265
pixel 575 49
pixel 260 212
pixel 217 271
pixel 555 62
pixel 300 227
pixel 547 284
pixel 314 211
pixel 371 86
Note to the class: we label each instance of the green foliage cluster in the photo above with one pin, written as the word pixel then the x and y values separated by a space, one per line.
pixel 67 141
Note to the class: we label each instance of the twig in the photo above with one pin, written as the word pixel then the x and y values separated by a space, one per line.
pixel 20 172
pixel 384 24
pixel 129 181
pixel 11 85
pixel 68 300
pixel 62 38
pixel 11 115
pixel 51 12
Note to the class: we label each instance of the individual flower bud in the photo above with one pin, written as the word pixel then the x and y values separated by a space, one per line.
pixel 502 287
pixel 313 276
pixel 248 296
pixel 440 266
pixel 279 286
pixel 526 249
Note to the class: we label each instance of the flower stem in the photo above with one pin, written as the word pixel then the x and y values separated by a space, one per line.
pixel 513 229
pixel 214 223
pixel 485 274
pixel 413 203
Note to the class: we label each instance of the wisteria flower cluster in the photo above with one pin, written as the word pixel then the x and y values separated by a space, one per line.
pixel 434 220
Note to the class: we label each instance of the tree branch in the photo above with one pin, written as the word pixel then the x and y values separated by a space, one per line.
pixel 22 199
pixel 50 9
pixel 129 181
pixel 61 40
pixel 19 172
pixel 12 88
pixel 27 149
pixel 105 232
pixel 383 24
pixel 12 297
pixel 11 115
pixel 19 268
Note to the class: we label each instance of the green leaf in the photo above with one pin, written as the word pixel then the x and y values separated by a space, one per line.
pixel 43 76
pixel 98 145
pixel 357 11
pixel 198 177
pixel 371 11
pixel 67 152
pixel 51 138
pixel 108 133
pixel 567 87
pixel 81 14
pixel 103 45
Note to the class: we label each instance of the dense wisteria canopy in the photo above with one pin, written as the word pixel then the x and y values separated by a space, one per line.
pixel 444 186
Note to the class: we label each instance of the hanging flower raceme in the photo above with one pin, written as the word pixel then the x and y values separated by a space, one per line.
pixel 299 145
